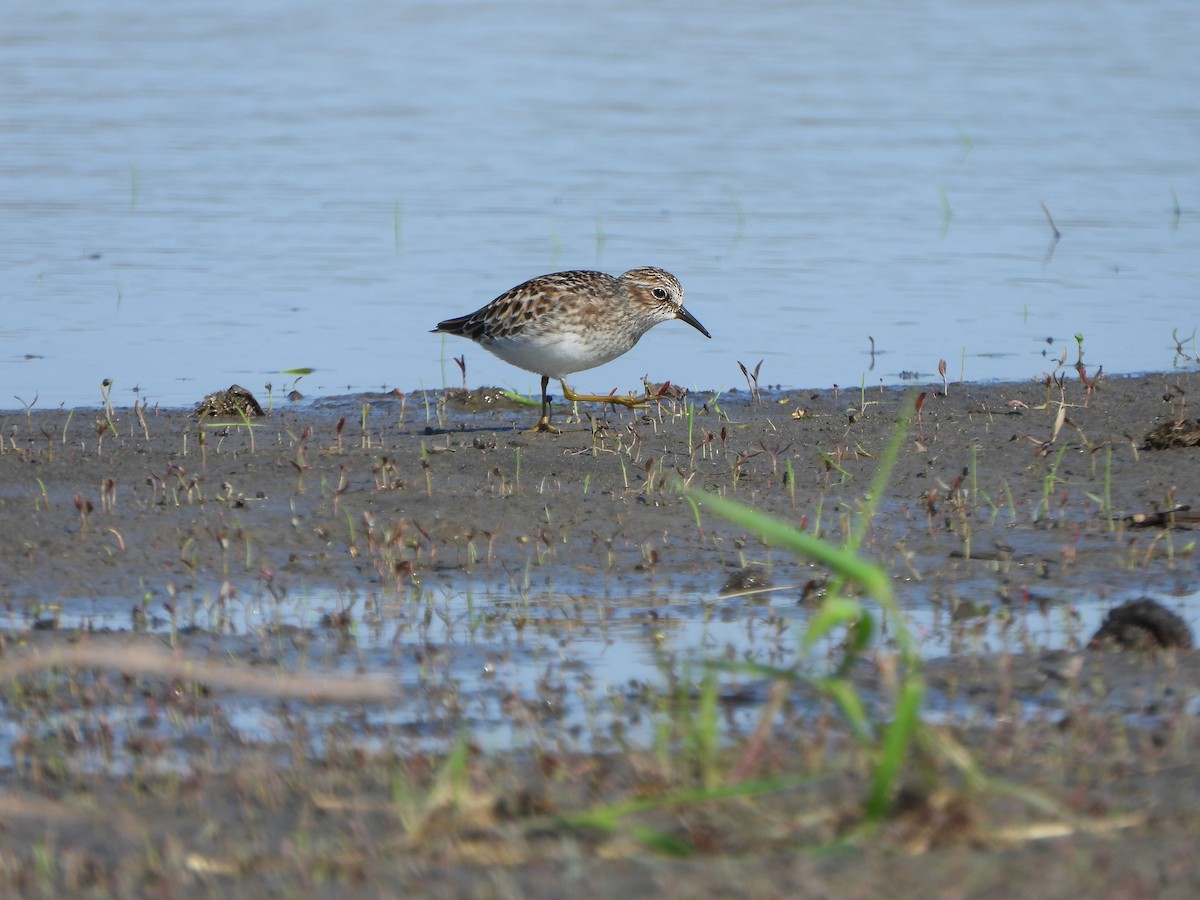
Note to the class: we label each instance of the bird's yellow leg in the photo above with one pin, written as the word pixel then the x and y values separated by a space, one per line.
pixel 628 402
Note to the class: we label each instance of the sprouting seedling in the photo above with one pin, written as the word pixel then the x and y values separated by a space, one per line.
pixel 1053 378
pixel 945 383
pixel 28 407
pixel 403 406
pixel 294 394
pixel 648 485
pixel 752 380
pixel 387 475
pixel 44 501
pixel 920 424
pixel 270 396
pixel 1170 392
pixel 429 473
pixel 300 463
pixel 342 486
pixel 1089 384
pixel 428 405
pixel 341 424
pixel 742 459
pixel 106 387
pixel 775 453
pixel 49 438
pixel 461 361
pixel 139 410
pixel 245 421
pixel 85 512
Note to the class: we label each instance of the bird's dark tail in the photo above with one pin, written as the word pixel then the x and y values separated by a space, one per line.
pixel 464 326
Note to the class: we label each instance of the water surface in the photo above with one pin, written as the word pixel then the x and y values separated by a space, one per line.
pixel 220 191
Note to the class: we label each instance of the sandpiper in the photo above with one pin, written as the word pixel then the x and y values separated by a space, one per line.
pixel 566 322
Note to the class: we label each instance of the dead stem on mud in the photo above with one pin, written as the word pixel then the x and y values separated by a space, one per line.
pixel 161 663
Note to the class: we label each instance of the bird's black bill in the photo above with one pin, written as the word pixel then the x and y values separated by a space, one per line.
pixel 693 321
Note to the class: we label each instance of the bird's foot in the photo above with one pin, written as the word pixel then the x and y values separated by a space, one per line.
pixel 627 402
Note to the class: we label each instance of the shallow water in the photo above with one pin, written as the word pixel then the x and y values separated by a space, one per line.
pixel 228 191
pixel 560 666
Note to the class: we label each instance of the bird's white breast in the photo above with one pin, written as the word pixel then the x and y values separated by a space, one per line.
pixel 556 354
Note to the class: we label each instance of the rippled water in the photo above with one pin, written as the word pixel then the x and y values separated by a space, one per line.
pixel 209 193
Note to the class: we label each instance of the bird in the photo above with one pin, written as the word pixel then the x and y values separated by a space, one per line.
pixel 565 322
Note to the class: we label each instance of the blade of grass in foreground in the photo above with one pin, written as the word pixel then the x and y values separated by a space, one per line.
pixel 838 611
pixel 906 717
pixel 608 818
pixel 780 534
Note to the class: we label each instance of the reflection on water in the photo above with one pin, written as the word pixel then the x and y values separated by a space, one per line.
pixel 230 190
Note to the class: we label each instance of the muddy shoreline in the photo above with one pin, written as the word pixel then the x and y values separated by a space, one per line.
pixel 1011 504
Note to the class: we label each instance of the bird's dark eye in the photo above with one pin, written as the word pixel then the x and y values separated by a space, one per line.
pixel 659 293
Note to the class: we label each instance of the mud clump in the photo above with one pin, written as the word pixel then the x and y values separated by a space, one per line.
pixel 746 580
pixel 233 401
pixel 1173 435
pixel 1143 624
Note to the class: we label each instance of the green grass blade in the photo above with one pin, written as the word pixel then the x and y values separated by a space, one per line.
pixel 520 398
pixel 883 471
pixel 607 818
pixel 851 705
pixel 666 844
pixel 896 741
pixel 833 613
pixel 779 533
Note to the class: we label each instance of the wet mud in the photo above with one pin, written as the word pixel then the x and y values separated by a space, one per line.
pixel 396 643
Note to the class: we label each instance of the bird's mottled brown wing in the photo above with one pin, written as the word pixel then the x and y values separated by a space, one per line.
pixel 534 300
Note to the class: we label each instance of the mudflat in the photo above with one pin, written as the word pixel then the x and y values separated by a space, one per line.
pixel 395 644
